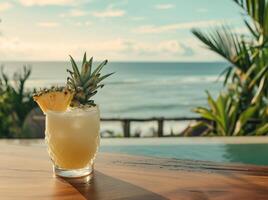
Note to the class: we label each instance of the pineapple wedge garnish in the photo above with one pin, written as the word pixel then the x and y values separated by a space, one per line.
pixel 54 99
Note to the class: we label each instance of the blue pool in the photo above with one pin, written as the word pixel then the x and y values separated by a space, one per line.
pixel 249 150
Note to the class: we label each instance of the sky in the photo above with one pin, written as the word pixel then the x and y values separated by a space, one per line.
pixel 117 30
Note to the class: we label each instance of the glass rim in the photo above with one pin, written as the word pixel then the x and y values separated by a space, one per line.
pixel 73 110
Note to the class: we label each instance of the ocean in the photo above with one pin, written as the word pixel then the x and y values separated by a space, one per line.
pixel 139 89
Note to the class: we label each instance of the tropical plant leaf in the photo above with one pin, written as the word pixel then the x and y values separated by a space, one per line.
pixel 257 10
pixel 232 115
pixel 262 130
pixel 205 113
pixel 227 44
pixel 196 126
pixel 258 76
pixel 247 78
pixel 222 114
pixel 212 103
pixel 227 72
pixel 244 117
pixel 252 30
pixel 258 94
pixel 251 70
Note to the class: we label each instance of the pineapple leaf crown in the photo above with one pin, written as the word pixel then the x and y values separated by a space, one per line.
pixel 86 82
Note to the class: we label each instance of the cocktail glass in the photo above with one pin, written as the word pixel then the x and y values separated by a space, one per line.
pixel 73 140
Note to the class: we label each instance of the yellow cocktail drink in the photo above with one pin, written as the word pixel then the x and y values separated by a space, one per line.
pixel 73 119
pixel 73 137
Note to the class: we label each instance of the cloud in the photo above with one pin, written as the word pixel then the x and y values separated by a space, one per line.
pixel 46 2
pixel 175 27
pixel 109 13
pixel 113 49
pixel 164 6
pixel 48 24
pixel 163 48
pixel 4 6
pixel 176 48
pixel 125 49
pixel 11 47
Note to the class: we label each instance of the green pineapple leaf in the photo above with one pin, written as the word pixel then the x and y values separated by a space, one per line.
pixel 88 69
pixel 99 68
pixel 84 58
pixel 77 75
pixel 104 77
pixel 84 83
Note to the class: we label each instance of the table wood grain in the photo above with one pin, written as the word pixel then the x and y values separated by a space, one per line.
pixel 26 173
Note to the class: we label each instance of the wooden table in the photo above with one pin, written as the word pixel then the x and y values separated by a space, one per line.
pixel 26 173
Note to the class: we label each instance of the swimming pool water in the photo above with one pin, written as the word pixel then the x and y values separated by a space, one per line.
pixel 218 151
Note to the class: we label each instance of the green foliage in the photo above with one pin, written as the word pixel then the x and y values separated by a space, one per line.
pixel 85 83
pixel 226 120
pixel 246 79
pixel 15 102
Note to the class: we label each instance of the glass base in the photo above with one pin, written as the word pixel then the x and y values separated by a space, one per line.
pixel 73 173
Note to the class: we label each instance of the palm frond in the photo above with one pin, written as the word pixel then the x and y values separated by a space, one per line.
pixel 223 41
pixel 257 10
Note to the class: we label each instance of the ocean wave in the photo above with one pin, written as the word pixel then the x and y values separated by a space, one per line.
pixel 169 80
pixel 127 81
pixel 139 82
pixel 155 107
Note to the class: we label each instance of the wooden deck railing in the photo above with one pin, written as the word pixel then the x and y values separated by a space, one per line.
pixel 126 122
